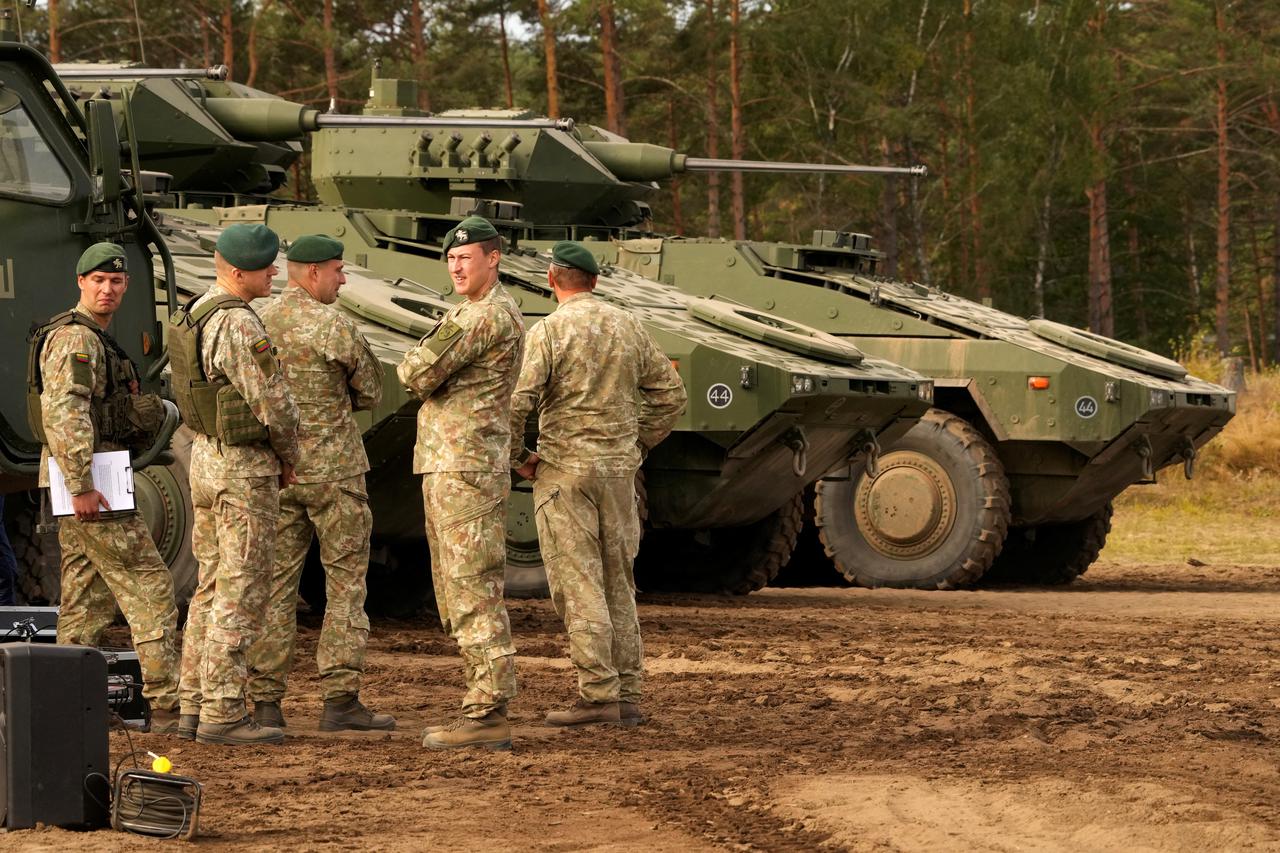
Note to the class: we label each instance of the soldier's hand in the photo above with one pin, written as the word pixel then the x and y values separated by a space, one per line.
pixel 86 505
pixel 287 475
pixel 134 388
pixel 529 470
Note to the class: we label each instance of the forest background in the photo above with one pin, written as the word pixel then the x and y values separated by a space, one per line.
pixel 1114 165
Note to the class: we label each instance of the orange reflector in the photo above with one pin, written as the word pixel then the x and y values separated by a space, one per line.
pixel 1038 383
pixel 675 363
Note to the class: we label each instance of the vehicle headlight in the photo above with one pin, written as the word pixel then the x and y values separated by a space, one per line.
pixel 802 384
pixel 925 391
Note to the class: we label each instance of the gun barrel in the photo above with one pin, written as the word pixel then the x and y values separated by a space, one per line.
pixel 88 72
pixel 707 164
pixel 323 120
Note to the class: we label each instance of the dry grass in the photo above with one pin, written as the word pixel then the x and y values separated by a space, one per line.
pixel 1230 512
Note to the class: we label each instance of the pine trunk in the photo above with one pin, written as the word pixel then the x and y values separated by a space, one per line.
pixel 549 48
pixel 55 33
pixel 888 215
pixel 1101 319
pixel 713 124
pixel 418 50
pixel 506 56
pixel 228 38
pixel 614 108
pixel 1042 251
pixel 677 212
pixel 971 155
pixel 1134 265
pixel 330 59
pixel 737 137
pixel 1222 281
pixel 254 61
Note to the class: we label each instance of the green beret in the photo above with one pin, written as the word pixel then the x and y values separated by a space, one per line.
pixel 248 247
pixel 108 257
pixel 473 229
pixel 315 249
pixel 567 253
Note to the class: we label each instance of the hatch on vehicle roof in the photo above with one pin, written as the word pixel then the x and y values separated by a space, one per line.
pixel 775 330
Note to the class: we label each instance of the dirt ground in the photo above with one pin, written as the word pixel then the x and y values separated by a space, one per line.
pixel 1136 710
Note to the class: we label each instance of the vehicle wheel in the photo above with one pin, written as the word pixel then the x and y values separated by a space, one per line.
pixel 934 517
pixel 809 564
pixel 164 501
pixel 734 560
pixel 1051 554
pixel 37 553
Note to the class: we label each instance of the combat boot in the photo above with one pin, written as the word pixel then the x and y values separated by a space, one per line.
pixel 164 722
pixel 584 713
pixel 492 731
pixel 629 714
pixel 243 731
pixel 187 725
pixel 268 714
pixel 348 713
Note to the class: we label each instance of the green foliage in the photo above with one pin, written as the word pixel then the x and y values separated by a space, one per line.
pixel 999 106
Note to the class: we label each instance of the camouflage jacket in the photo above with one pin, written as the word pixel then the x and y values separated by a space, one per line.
pixel 73 369
pixel 604 391
pixel 227 351
pixel 464 371
pixel 331 372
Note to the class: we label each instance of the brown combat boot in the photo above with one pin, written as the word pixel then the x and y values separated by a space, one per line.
pixel 243 731
pixel 348 713
pixel 629 714
pixel 164 722
pixel 492 731
pixel 584 713
pixel 268 714
pixel 187 725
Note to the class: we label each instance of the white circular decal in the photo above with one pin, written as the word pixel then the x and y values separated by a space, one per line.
pixel 719 396
pixel 1086 407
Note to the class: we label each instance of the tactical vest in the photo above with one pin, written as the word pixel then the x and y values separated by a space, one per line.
pixel 216 408
pixel 108 414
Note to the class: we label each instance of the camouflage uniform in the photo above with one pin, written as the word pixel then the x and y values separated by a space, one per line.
pixel 235 494
pixel 464 371
pixel 605 394
pixel 331 371
pixel 116 555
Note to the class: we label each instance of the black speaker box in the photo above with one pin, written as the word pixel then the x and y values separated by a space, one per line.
pixel 53 736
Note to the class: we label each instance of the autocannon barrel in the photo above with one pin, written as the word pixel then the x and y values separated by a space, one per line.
pixel 274 120
pixel 639 161
pixel 114 72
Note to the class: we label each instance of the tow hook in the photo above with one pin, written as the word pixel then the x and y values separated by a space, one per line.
pixel 795 439
pixel 870 447
pixel 1145 452
pixel 1188 458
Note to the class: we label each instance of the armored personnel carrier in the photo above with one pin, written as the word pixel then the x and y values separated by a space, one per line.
pixel 1035 428
pixel 774 405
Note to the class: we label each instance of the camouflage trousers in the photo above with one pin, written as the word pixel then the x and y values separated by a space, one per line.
pixel 466 531
pixel 589 532
pixel 110 561
pixel 234 542
pixel 338 513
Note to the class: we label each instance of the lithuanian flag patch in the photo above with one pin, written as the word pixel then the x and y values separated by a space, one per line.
pixel 82 357
pixel 262 345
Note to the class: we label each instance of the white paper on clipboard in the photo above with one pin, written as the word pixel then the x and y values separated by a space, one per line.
pixel 112 475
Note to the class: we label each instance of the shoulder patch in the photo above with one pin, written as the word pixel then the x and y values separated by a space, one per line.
pixel 82 357
pixel 264 354
pixel 261 345
pixel 447 331
pixel 445 335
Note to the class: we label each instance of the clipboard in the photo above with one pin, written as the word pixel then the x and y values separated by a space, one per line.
pixel 112 475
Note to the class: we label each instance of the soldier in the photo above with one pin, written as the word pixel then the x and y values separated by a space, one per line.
pixel 331 371
pixel 464 371
pixel 83 397
pixel 233 395
pixel 605 396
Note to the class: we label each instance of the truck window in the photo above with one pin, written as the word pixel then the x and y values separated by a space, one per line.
pixel 27 165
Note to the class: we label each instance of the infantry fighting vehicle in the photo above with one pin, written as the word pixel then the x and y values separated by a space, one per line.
pixel 1035 428
pixel 773 406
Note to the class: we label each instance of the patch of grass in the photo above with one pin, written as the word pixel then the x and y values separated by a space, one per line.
pixel 1230 512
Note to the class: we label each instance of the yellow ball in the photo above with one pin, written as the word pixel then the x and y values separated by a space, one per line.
pixel 162 765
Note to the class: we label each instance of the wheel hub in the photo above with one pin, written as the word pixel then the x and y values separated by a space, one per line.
pixel 522 531
pixel 159 501
pixel 909 509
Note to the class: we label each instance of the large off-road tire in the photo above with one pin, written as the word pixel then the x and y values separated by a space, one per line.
pixel 1051 554
pixel 934 517
pixel 809 564
pixel 36 553
pixel 164 500
pixel 733 560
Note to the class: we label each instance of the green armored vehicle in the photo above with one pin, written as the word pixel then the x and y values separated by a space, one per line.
pixel 1036 426
pixel 774 405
